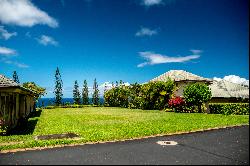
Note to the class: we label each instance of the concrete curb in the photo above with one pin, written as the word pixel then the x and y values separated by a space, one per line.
pixel 101 142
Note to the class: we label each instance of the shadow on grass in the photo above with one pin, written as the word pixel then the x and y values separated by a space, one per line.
pixel 35 114
pixel 24 129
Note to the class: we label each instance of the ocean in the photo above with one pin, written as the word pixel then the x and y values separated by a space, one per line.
pixel 50 101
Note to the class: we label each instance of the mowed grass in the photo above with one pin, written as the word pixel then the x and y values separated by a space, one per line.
pixel 95 124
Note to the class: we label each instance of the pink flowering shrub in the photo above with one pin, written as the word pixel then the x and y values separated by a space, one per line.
pixel 177 104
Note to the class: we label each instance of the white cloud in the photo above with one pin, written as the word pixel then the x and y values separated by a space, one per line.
pixel 105 84
pixel 145 32
pixel 151 2
pixel 126 84
pixel 6 54
pixel 47 40
pixel 4 34
pixel 234 79
pixel 18 64
pixel 196 52
pixel 4 51
pixel 24 13
pixel 217 79
pixel 153 58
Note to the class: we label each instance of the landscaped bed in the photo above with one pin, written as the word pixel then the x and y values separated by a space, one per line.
pixel 93 124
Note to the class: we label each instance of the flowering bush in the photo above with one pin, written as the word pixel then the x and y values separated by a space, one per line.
pixel 177 104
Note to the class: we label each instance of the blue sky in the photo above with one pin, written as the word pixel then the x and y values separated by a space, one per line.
pixel 129 40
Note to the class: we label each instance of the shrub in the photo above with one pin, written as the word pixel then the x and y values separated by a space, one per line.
pixel 117 97
pixel 229 108
pixel 177 104
pixel 152 95
pixel 196 94
pixel 155 94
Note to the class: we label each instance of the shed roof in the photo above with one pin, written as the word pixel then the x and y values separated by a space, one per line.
pixel 228 89
pixel 6 82
pixel 9 83
pixel 180 75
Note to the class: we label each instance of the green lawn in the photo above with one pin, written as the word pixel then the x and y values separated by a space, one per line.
pixel 104 123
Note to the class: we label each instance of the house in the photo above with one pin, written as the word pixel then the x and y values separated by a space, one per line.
pixel 227 92
pixel 222 91
pixel 16 102
pixel 182 79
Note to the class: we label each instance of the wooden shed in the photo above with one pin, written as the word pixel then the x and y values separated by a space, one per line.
pixel 16 103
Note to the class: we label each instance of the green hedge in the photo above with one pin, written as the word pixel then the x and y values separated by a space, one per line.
pixel 229 108
pixel 148 96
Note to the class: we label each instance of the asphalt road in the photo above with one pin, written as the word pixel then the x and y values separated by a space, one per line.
pixel 228 146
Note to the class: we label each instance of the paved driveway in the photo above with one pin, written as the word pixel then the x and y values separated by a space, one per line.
pixel 216 147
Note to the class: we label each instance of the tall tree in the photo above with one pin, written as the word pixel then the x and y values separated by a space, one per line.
pixel 76 94
pixel 85 93
pixel 58 87
pixel 15 77
pixel 95 97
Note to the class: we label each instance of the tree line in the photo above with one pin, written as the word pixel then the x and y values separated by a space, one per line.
pixel 79 98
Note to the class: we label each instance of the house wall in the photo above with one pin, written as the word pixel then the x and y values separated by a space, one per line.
pixel 181 86
pixel 13 107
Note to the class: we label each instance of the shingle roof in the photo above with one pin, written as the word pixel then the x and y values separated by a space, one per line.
pixel 227 89
pixel 180 75
pixel 6 82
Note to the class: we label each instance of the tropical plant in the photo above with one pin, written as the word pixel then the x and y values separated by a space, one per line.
pixel 39 91
pixel 197 94
pixel 177 104
pixel 152 95
pixel 117 97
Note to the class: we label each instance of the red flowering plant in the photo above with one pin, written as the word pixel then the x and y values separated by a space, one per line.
pixel 177 104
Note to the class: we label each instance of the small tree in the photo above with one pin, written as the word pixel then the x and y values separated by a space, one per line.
pixel 15 77
pixel 95 97
pixel 196 94
pixel 58 88
pixel 39 91
pixel 76 94
pixel 85 93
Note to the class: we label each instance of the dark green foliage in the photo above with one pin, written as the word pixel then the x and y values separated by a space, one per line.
pixel 196 94
pixel 135 95
pixel 152 95
pixel 15 77
pixel 85 93
pixel 155 95
pixel 95 97
pixel 76 94
pixel 229 108
pixel 117 97
pixel 58 88
pixel 35 88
